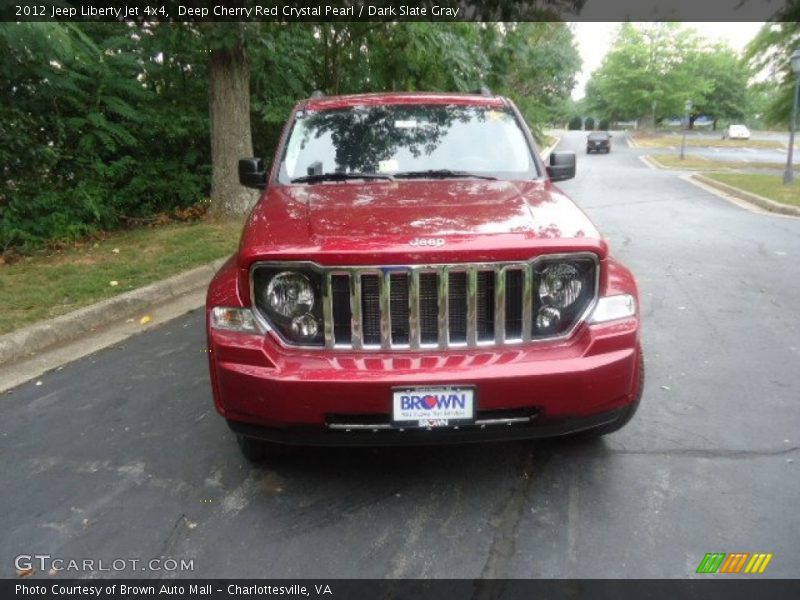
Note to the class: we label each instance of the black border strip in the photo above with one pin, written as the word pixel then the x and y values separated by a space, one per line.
pixel 715 587
pixel 444 11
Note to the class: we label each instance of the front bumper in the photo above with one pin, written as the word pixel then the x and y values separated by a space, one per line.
pixel 303 396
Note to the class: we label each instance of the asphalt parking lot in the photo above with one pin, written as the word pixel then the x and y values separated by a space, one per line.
pixel 121 455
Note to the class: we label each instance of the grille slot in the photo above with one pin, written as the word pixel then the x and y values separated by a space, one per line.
pixel 428 308
pixel 340 293
pixel 457 301
pixel 398 303
pixel 370 309
pixel 514 304
pixel 485 305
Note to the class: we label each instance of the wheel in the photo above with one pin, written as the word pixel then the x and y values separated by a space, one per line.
pixel 608 150
pixel 257 451
pixel 588 151
pixel 623 419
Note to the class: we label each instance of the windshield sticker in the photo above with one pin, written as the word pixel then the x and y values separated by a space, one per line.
pixel 496 115
pixel 410 124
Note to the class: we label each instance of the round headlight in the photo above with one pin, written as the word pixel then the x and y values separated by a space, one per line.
pixel 560 285
pixel 290 293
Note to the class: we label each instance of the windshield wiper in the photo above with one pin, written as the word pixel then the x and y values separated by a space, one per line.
pixel 440 174
pixel 338 177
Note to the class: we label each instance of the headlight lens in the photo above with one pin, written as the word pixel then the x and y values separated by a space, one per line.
pixel 564 289
pixel 289 300
pixel 289 294
pixel 560 285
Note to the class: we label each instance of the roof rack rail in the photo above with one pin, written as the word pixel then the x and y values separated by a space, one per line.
pixel 317 94
pixel 483 91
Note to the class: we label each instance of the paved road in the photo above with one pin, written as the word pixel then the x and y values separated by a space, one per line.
pixel 119 455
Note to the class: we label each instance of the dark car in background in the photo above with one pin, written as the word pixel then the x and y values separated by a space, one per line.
pixel 598 141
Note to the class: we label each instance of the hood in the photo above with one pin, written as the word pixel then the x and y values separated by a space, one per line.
pixel 490 220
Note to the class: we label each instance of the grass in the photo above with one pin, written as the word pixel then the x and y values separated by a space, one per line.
pixel 769 186
pixel 649 140
pixel 698 163
pixel 48 285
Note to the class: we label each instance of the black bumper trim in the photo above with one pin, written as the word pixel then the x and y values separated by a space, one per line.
pixel 318 436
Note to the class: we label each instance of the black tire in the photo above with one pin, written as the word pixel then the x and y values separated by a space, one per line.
pixel 258 451
pixel 608 150
pixel 623 419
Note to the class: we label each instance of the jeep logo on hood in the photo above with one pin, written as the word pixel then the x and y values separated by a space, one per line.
pixel 434 242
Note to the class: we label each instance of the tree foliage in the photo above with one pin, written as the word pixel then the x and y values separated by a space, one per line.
pixel 768 53
pixel 107 124
pixel 652 70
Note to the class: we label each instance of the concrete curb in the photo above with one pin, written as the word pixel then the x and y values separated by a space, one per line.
pixel 650 163
pixel 29 340
pixel 760 201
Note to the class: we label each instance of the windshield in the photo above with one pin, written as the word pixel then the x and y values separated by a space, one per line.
pixel 408 141
pixel 598 136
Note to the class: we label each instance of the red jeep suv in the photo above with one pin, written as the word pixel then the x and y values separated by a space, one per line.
pixel 411 275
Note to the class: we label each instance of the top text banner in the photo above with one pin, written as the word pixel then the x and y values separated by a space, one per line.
pixel 399 11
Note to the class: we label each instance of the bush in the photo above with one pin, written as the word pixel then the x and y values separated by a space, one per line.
pixel 603 125
pixel 589 126
pixel 576 123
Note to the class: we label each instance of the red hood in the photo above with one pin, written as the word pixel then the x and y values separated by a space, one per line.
pixel 354 223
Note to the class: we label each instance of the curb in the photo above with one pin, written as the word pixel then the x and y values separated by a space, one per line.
pixel 760 201
pixel 29 340
pixel 650 163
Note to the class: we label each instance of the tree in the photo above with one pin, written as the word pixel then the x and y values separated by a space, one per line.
pixel 727 79
pixel 769 53
pixel 229 115
pixel 645 73
pixel 535 64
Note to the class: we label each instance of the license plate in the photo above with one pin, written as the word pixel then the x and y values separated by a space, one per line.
pixel 433 406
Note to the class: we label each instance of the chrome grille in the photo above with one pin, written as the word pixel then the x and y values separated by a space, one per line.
pixel 435 306
pixel 428 306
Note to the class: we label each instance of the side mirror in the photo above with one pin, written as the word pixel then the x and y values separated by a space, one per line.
pixel 562 166
pixel 253 173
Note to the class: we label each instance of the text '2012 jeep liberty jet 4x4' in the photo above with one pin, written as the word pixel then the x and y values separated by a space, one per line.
pixel 411 275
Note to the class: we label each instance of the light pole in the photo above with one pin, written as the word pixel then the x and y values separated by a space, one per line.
pixel 686 126
pixel 794 61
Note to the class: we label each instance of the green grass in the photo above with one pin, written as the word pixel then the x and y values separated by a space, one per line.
pixel 698 163
pixel 769 186
pixel 674 141
pixel 48 285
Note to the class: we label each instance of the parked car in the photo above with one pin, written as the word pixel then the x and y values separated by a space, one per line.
pixel 412 275
pixel 598 141
pixel 736 132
